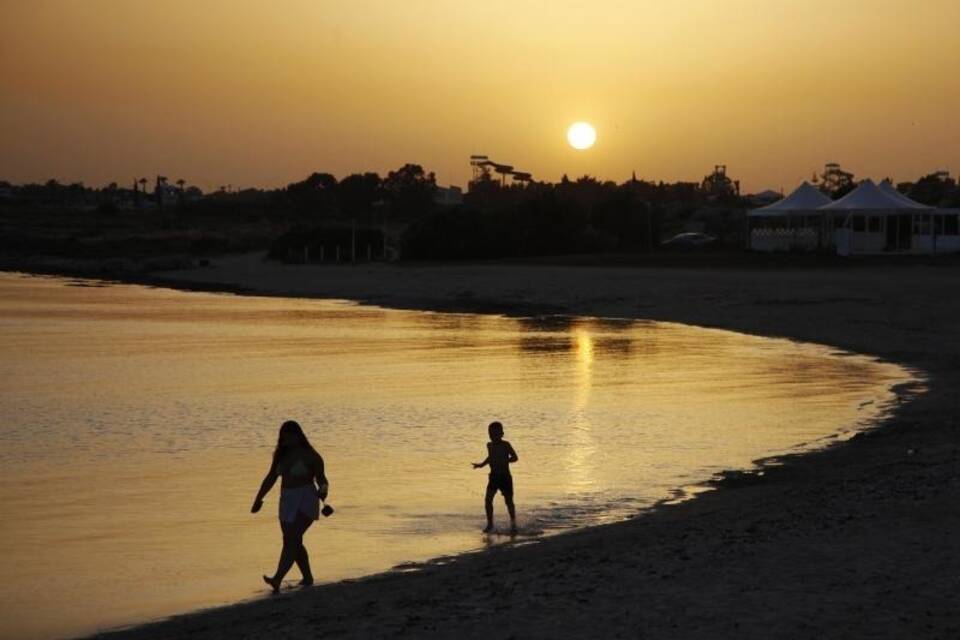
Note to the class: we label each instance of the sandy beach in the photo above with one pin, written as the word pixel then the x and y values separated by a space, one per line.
pixel 858 540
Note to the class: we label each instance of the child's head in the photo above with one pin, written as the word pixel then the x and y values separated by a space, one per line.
pixel 496 431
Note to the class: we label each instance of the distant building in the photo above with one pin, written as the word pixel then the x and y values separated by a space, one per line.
pixel 448 196
pixel 121 199
pixel 166 195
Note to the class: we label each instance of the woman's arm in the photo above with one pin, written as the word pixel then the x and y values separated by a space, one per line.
pixel 322 485
pixel 268 481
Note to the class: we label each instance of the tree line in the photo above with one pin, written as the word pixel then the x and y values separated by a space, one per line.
pixel 494 220
pixel 572 216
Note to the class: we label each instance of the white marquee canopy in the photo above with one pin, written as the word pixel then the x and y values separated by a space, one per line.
pixel 871 197
pixel 873 219
pixel 868 196
pixel 888 187
pixel 804 198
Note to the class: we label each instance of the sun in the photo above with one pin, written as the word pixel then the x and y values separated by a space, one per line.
pixel 581 135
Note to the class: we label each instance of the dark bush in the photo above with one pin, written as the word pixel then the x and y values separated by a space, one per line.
pixel 546 222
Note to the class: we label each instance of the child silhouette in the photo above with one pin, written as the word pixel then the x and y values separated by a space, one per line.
pixel 500 455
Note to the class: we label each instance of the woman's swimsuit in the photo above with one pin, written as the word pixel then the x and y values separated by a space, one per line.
pixel 302 499
pixel 299 469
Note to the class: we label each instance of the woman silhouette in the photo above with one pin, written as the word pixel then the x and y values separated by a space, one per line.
pixel 298 464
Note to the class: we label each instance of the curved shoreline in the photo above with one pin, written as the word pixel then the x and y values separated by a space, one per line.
pixel 592 569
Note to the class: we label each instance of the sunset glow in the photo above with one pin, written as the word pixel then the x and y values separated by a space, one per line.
pixel 250 94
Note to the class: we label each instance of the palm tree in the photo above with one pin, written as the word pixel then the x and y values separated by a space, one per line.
pixel 180 197
pixel 142 195
pixel 161 191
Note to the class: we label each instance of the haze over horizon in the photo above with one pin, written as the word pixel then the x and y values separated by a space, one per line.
pixel 251 95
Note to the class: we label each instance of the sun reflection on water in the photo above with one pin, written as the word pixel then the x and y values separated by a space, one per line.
pixel 582 446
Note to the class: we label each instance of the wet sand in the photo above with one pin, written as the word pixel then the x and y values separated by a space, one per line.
pixel 858 540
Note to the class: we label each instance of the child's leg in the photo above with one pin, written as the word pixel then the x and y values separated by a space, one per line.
pixel 508 498
pixel 488 505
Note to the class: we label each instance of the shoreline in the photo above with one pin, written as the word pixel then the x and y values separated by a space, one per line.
pixel 252 275
pixel 785 488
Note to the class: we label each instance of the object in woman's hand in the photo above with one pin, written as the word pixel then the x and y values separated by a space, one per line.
pixel 327 511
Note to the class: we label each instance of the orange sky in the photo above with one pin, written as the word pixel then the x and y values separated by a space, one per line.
pixel 262 93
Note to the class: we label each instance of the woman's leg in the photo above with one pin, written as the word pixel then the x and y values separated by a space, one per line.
pixel 303 558
pixel 292 543
pixel 303 563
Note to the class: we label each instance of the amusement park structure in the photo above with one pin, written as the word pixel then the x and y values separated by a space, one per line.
pixel 483 165
pixel 834 180
pixel 719 185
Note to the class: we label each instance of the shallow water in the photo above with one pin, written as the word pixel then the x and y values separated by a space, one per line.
pixel 137 423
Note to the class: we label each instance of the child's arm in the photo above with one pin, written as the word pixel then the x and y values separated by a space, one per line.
pixel 486 461
pixel 511 454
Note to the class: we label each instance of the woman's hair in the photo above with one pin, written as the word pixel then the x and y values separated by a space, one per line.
pixel 291 427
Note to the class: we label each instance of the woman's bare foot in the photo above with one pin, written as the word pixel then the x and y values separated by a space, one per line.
pixel 274 584
pixel 488 528
pixel 306 582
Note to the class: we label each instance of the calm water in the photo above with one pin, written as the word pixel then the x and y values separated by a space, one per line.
pixel 136 425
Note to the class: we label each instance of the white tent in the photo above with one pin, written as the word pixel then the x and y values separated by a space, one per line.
pixel 804 198
pixel 871 219
pixel 871 197
pixel 888 187
pixel 875 219
pixel 790 224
